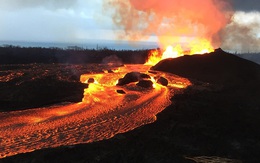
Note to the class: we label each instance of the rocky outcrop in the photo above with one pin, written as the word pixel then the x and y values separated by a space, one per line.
pixel 145 84
pixel 217 67
pixel 132 77
pixel 91 80
pixel 163 81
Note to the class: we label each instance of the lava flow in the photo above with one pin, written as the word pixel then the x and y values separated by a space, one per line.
pixel 107 109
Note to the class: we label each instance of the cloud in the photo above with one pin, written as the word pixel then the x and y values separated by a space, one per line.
pixel 50 4
pixel 52 20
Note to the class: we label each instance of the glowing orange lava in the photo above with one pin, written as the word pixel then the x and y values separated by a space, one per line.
pixel 102 113
pixel 197 46
pixel 201 46
pixel 173 52
pixel 154 57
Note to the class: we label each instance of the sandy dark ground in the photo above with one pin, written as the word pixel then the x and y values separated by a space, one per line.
pixel 24 86
pixel 216 119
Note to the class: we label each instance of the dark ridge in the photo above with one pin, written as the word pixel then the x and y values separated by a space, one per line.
pixel 27 55
pixel 217 67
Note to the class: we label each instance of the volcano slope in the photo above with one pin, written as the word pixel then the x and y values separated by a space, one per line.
pixel 214 120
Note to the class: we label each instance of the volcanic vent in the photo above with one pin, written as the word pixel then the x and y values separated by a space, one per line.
pixel 218 67
pixel 179 27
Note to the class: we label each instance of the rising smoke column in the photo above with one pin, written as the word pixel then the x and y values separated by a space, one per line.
pixel 242 34
pixel 172 21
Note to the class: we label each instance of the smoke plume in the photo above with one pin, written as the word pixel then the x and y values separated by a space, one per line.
pixel 172 21
pixel 243 33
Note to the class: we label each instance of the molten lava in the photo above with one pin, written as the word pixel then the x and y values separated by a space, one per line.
pixel 197 46
pixel 173 52
pixel 154 57
pixel 201 46
pixel 103 112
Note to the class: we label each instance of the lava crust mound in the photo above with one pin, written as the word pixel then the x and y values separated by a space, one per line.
pixel 217 67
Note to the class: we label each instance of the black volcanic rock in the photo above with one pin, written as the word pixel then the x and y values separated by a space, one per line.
pixel 217 67
pixel 120 91
pixel 37 85
pixel 91 80
pixel 145 84
pixel 163 81
pixel 145 76
pixel 132 77
pixel 129 78
pixel 39 93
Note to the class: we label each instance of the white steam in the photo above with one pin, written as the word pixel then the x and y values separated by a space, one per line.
pixel 243 33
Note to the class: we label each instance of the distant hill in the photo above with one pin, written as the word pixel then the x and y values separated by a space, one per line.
pixel 73 55
pixel 255 57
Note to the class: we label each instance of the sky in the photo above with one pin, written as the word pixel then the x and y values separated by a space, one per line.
pixel 78 21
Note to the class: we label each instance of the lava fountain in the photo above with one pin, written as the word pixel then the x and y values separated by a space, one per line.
pixel 203 46
pixel 180 27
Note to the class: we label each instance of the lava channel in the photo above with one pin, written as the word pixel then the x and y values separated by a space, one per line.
pixel 106 110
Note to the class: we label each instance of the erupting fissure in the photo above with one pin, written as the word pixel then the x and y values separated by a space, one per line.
pixel 180 27
pixel 203 46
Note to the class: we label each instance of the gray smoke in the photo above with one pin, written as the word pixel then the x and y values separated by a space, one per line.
pixel 243 35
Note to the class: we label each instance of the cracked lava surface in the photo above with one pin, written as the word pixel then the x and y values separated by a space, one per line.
pixel 102 113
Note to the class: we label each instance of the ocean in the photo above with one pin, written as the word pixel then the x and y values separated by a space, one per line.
pixel 95 44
